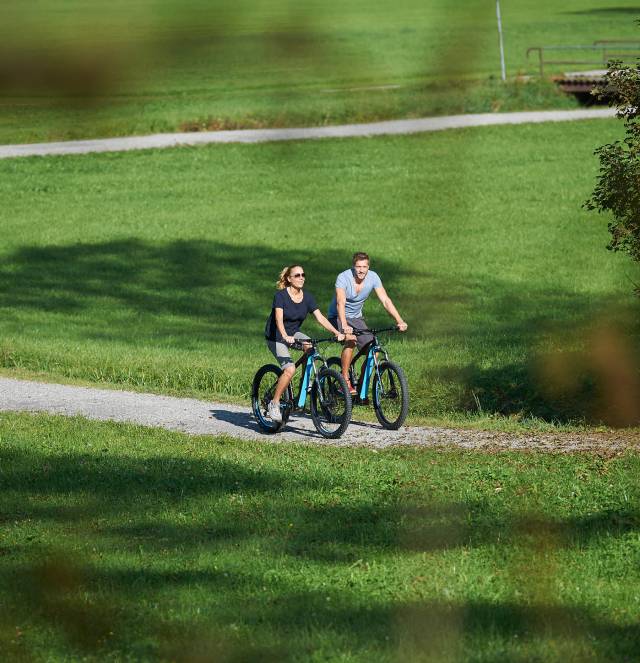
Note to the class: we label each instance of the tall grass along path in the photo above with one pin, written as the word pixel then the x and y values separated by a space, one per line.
pixel 268 135
pixel 197 417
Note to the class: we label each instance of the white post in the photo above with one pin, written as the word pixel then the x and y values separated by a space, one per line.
pixel 502 67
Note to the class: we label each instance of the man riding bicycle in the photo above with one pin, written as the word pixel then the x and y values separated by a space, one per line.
pixel 353 287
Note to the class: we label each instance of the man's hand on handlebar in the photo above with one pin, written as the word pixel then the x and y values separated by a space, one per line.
pixel 290 340
pixel 402 326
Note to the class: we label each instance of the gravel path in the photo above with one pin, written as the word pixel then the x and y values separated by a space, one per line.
pixel 267 135
pixel 196 417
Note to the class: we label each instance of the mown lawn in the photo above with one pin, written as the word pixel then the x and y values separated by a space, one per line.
pixel 70 70
pixel 124 543
pixel 155 270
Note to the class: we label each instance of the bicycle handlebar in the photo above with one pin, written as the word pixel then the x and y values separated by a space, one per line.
pixel 360 332
pixel 313 341
pixel 332 339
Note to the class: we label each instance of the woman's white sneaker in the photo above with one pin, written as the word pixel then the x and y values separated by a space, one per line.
pixel 274 412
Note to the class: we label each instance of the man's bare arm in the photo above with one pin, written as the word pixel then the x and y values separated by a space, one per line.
pixel 341 301
pixel 385 300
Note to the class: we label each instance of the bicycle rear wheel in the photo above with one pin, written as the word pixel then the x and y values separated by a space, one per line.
pixel 330 403
pixel 390 395
pixel 336 364
pixel 264 385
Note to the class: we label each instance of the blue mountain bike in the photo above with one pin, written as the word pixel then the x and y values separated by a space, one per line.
pixel 389 386
pixel 330 400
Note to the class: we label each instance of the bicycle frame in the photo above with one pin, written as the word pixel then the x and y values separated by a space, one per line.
pixel 308 375
pixel 371 363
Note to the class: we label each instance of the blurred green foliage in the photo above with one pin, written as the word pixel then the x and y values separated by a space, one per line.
pixel 75 69
pixel 616 191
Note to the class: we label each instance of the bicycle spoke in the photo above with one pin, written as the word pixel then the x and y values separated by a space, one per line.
pixel 391 395
pixel 330 404
pixel 264 386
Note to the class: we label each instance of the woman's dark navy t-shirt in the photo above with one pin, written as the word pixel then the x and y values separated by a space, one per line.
pixel 293 314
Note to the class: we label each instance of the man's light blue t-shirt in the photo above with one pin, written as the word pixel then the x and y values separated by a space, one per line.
pixel 353 307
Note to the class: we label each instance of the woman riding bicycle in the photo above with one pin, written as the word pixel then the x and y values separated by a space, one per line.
pixel 288 311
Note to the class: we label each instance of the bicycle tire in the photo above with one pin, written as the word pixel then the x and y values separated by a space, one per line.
pixel 329 391
pixel 264 383
pixel 390 401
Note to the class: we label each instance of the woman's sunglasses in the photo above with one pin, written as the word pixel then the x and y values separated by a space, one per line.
pixel 297 276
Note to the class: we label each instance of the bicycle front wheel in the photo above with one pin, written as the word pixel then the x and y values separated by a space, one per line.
pixel 390 395
pixel 330 403
pixel 264 386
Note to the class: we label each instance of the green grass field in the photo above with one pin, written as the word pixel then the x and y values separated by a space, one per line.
pixel 123 543
pixel 155 270
pixel 69 71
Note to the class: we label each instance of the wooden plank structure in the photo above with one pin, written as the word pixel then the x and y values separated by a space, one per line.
pixel 579 82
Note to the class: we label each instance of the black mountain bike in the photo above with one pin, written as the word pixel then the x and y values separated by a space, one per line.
pixel 330 401
pixel 390 389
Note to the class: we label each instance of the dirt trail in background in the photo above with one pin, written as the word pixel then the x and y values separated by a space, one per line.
pixel 196 417
pixel 392 127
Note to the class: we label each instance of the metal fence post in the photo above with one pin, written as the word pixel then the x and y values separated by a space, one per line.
pixel 502 67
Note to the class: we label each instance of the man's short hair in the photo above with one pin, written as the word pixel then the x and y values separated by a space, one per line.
pixel 361 255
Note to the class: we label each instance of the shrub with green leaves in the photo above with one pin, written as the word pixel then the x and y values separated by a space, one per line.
pixel 617 189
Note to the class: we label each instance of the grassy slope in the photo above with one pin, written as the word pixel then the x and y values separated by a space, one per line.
pixel 162 64
pixel 124 543
pixel 155 269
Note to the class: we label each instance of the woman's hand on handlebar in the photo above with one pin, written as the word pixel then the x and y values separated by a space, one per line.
pixel 298 343
pixel 402 326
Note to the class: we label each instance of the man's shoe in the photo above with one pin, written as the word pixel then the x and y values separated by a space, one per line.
pixel 274 412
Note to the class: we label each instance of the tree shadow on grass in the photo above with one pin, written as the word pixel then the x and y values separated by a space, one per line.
pixel 132 289
pixel 145 530
pixel 599 11
pixel 569 348
pixel 79 486
pixel 279 615
pixel 186 293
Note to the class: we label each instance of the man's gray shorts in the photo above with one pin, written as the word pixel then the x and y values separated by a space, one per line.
pixel 281 350
pixel 355 323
